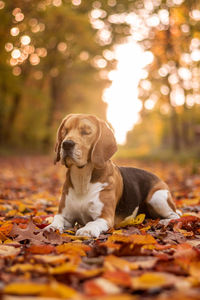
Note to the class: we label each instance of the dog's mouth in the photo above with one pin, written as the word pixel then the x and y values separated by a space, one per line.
pixel 72 157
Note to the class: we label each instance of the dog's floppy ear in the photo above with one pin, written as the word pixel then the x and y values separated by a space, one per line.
pixel 59 139
pixel 105 146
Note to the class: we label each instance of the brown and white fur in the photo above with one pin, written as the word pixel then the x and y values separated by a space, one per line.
pixel 93 191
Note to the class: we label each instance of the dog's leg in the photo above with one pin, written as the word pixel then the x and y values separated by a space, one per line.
pixel 160 204
pixel 93 228
pixel 59 223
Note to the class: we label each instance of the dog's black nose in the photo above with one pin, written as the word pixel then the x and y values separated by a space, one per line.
pixel 68 144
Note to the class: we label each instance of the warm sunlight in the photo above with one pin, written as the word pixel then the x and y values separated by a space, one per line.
pixel 122 96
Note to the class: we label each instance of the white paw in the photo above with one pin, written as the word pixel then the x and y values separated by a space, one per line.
pixel 164 222
pixel 90 230
pixel 54 227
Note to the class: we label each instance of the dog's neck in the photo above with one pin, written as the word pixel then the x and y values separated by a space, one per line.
pixel 80 178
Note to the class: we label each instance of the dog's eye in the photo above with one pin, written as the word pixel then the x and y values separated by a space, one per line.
pixel 85 132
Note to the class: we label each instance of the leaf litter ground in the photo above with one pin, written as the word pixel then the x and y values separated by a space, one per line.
pixel 139 259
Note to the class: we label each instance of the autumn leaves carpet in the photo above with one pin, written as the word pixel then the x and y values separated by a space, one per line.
pixel 140 260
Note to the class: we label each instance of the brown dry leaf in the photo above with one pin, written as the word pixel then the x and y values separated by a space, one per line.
pixel 29 233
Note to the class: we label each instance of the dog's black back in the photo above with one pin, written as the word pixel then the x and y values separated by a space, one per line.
pixel 136 186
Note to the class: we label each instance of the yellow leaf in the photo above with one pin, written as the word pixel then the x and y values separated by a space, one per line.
pixel 24 288
pixel 27 268
pixel 59 290
pixel 31 288
pixel 131 221
pixel 76 237
pixel 149 280
pixel 64 268
pixel 21 207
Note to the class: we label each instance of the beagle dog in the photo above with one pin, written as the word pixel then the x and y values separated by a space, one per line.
pixel 97 193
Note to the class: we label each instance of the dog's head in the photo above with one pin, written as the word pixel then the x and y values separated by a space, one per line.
pixel 82 139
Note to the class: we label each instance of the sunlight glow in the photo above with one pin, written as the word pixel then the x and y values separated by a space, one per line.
pixel 122 96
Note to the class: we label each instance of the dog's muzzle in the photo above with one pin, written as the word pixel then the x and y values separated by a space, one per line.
pixel 68 145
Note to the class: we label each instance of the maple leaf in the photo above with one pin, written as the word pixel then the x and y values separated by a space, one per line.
pixel 29 233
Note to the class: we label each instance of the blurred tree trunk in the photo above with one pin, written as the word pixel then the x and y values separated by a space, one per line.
pixel 12 115
pixel 2 112
pixel 176 138
pixel 186 127
pixel 55 94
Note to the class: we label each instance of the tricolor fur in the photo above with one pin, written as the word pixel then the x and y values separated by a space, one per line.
pixel 96 192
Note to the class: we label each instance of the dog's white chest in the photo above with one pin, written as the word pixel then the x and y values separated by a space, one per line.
pixel 84 207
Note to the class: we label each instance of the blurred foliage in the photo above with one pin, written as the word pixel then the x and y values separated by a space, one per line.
pixel 56 56
pixel 170 89
pixel 52 53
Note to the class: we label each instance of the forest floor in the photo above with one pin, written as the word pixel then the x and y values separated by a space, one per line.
pixel 140 260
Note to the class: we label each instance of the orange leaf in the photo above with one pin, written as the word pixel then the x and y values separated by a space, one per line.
pixel 101 286
pixel 73 248
pixel 118 277
pixel 41 249
pixel 134 238
pixel 59 290
pixel 113 263
pixel 6 228
pixel 91 288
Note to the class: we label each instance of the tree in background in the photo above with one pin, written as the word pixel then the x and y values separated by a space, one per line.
pixel 55 55
pixel 171 87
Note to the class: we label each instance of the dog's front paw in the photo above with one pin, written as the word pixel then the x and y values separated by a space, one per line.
pixel 54 227
pixel 57 224
pixel 165 222
pixel 90 230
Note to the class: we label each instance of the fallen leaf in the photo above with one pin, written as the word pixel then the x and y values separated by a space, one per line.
pixel 40 249
pixel 73 248
pixel 7 251
pixel 130 221
pixel 133 238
